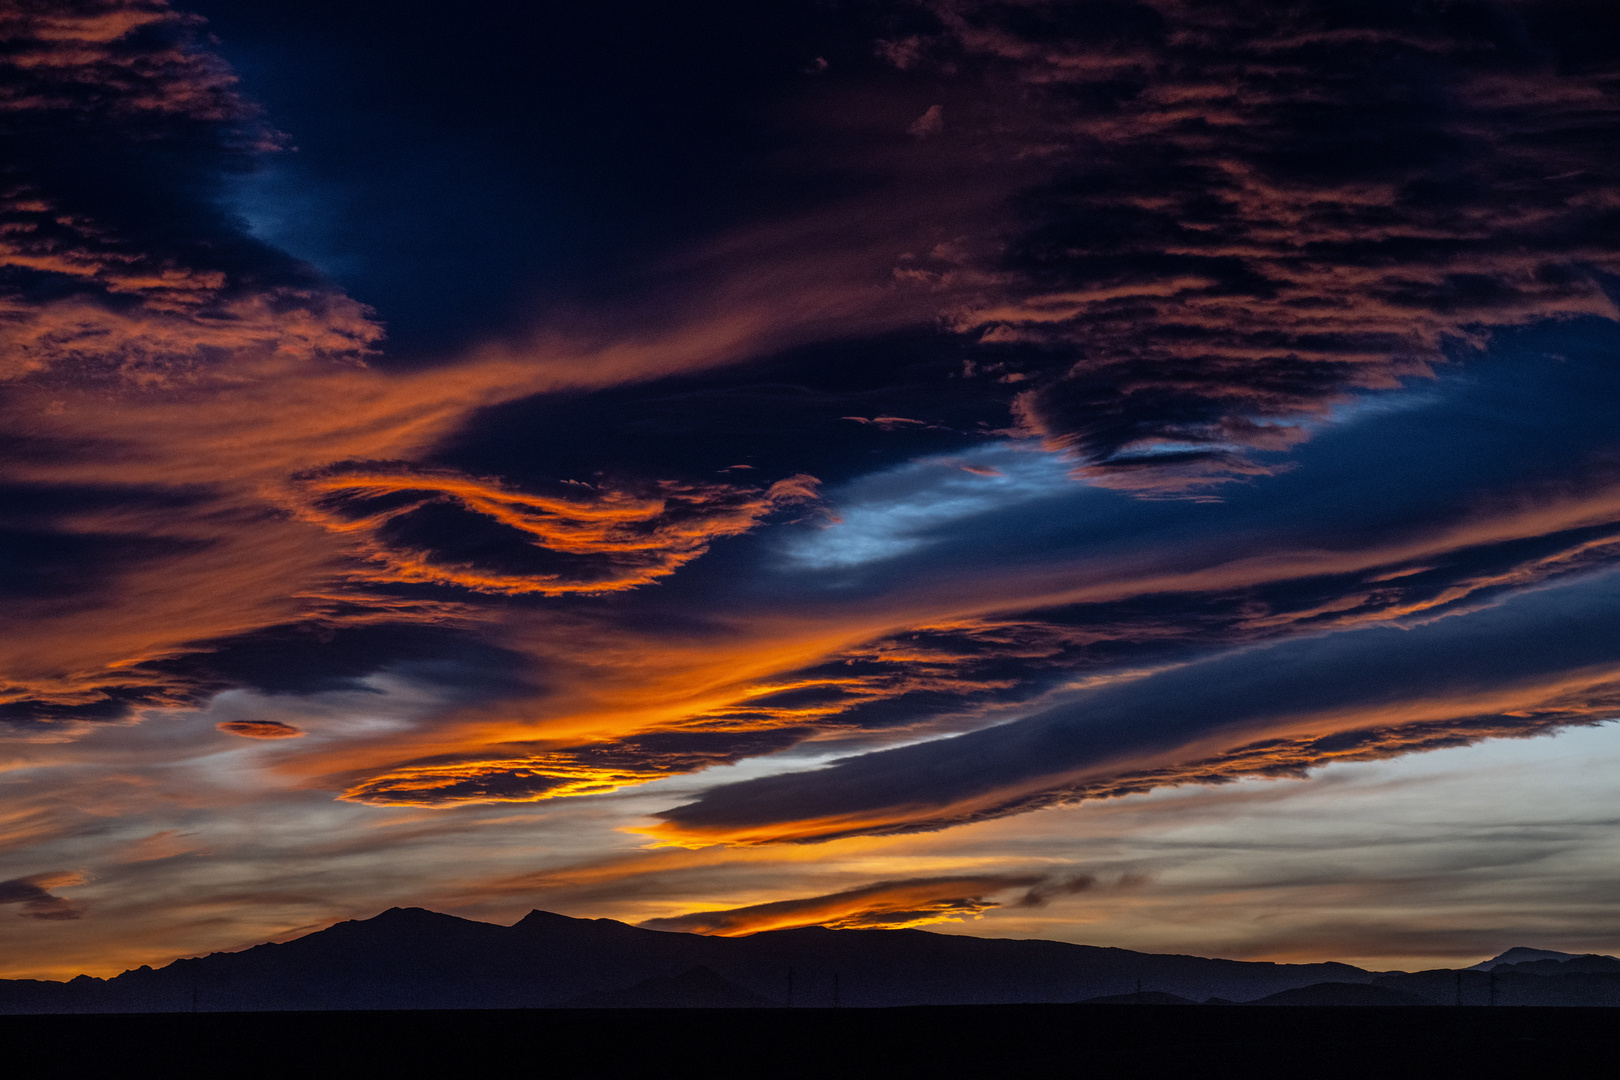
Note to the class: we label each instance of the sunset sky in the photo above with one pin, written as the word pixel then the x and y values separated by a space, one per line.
pixel 1142 473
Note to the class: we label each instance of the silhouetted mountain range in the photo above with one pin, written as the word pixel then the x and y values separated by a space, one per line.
pixel 409 958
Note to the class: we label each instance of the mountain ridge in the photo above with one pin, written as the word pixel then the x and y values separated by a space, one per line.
pixel 413 958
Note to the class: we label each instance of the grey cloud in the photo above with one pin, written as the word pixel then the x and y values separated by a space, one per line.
pixel 1043 893
pixel 33 893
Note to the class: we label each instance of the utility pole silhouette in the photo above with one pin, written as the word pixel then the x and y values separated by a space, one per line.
pixel 1139 991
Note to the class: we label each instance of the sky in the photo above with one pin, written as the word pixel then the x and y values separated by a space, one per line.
pixel 1139 473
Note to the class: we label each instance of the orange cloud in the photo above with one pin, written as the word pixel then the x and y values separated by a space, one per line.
pixel 591 769
pixel 887 904
pixel 617 540
pixel 773 680
pixel 71 55
pixel 260 729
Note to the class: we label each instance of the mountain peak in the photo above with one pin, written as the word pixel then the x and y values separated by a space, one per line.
pixel 408 917
pixel 536 917
pixel 1518 955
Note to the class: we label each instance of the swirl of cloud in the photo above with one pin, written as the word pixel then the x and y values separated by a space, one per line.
pixel 417 524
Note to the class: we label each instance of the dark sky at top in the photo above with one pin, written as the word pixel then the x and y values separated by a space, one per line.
pixel 456 169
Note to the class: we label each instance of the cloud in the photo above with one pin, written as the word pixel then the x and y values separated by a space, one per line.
pixel 248 501
pixel 591 769
pixel 423 525
pixel 1253 214
pixel 1534 662
pixel 1043 893
pixel 1402 515
pixel 189 403
pixel 162 845
pixel 887 423
pixel 931 122
pixel 260 729
pixel 114 258
pixel 886 904
pixel 33 893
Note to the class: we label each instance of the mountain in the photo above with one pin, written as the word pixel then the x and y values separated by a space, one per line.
pixel 1519 954
pixel 409 958
pixel 1588 963
pixel 1579 980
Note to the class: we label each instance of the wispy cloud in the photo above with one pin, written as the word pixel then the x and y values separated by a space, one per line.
pixel 1534 662
pixel 38 902
pixel 890 904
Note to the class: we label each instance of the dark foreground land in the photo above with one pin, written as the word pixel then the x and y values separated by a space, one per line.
pixel 937 1041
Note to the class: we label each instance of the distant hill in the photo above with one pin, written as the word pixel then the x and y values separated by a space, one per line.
pixel 1579 980
pixel 1518 955
pixel 1590 963
pixel 409 958
pixel 1341 994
